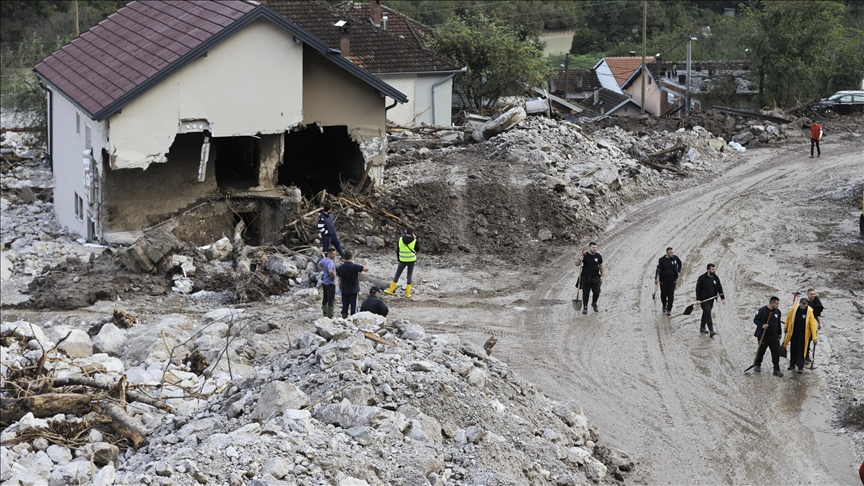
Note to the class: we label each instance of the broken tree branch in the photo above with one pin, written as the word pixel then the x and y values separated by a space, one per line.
pixel 125 424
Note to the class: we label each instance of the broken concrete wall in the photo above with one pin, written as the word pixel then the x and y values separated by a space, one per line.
pixel 247 85
pixel 272 149
pixel 332 96
pixel 135 198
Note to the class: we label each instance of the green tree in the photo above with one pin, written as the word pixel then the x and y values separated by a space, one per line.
pixel 499 63
pixel 802 50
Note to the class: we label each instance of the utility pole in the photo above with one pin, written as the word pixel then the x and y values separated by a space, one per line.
pixel 687 95
pixel 644 28
pixel 75 8
pixel 566 66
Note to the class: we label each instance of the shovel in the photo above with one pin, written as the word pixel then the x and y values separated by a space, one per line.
pixel 757 351
pixel 577 301
pixel 689 309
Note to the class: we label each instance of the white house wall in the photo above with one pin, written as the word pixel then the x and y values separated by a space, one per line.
pixel 607 79
pixel 652 94
pixel 251 83
pixel 70 163
pixel 403 113
pixel 419 109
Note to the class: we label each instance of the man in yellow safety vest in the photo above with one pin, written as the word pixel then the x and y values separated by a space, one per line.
pixel 407 255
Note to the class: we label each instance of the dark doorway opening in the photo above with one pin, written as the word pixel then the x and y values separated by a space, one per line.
pixel 253 233
pixel 237 161
pixel 317 159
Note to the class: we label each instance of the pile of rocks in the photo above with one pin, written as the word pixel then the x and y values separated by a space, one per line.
pixel 766 132
pixel 30 236
pixel 350 402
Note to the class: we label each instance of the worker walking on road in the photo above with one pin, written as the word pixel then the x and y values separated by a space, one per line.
pixel 593 274
pixel 708 288
pixel 800 329
pixel 328 230
pixel 348 275
pixel 668 269
pixel 815 136
pixel 406 255
pixel 767 322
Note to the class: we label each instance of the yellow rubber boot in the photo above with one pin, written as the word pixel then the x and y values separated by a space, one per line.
pixel 392 288
pixel 408 291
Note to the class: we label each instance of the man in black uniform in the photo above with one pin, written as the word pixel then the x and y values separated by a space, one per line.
pixel 767 322
pixel 593 273
pixel 707 288
pixel 668 269
pixel 815 304
pixel 374 304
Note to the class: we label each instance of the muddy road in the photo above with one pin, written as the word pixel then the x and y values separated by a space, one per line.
pixel 657 388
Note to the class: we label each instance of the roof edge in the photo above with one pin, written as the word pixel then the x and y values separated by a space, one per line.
pixel 62 93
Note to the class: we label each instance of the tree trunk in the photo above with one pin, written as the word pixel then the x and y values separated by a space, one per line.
pixel 46 405
pixel 126 425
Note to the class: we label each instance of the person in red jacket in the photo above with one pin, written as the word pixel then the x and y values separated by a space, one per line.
pixel 815 136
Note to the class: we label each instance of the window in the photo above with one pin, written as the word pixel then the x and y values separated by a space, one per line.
pixel 77 124
pixel 87 144
pixel 79 207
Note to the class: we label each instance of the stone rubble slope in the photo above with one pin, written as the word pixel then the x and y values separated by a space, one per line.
pixel 335 408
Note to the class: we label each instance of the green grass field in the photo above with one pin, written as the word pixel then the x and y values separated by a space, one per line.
pixel 556 42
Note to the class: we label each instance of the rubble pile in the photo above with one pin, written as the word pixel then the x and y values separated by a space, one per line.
pixel 227 400
pixel 30 236
pixel 542 180
pixel 764 132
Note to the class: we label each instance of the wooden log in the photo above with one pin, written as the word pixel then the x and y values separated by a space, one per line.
pixel 131 395
pixel 125 424
pixel 378 339
pixel 45 405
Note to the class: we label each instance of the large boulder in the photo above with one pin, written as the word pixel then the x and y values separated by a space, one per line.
pixel 278 397
pixel 77 343
pixel 499 125
pixel 281 265
pixel 110 340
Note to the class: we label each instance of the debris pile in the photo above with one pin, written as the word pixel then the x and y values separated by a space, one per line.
pixel 351 402
pixel 766 132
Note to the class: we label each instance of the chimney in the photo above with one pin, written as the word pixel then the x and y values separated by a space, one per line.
pixel 375 12
pixel 384 21
pixel 632 53
pixel 682 78
pixel 596 96
pixel 344 41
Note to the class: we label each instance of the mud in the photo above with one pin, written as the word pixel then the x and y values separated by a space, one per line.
pixel 659 389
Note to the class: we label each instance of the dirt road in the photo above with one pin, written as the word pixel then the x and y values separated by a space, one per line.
pixel 657 388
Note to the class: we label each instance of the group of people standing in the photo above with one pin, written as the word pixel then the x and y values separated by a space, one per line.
pixel 803 321
pixel 347 275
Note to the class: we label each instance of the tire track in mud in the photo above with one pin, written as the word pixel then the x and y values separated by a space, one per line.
pixel 654 385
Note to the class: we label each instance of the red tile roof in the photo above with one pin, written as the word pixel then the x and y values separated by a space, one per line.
pixel 623 67
pixel 132 45
pixel 146 41
pixel 372 48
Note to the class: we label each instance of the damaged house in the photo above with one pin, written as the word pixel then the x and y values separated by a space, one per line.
pixel 205 114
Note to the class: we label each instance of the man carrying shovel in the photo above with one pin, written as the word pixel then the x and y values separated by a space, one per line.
pixel 708 287
pixel 668 269
pixel 593 274
pixel 768 332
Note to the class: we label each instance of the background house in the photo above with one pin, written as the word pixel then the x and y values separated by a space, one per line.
pixel 613 72
pixel 215 104
pixel 605 103
pixel 728 81
pixel 400 60
pixel 580 84
pixel 653 96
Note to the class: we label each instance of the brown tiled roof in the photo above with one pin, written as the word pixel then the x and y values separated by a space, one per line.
pixel 401 26
pixel 132 45
pixel 370 47
pixel 623 67
pixel 578 81
pixel 608 100
pixel 146 41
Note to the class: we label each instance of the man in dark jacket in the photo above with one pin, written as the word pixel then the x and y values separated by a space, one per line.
pixel 374 304
pixel 708 287
pixel 328 230
pixel 348 278
pixel 593 274
pixel 668 269
pixel 767 322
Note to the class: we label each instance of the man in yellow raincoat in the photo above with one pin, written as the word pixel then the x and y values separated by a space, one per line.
pixel 800 329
